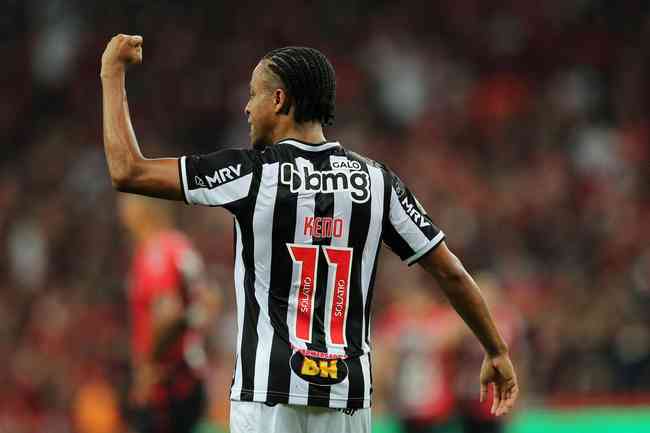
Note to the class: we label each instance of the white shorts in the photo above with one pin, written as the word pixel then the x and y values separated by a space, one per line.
pixel 255 417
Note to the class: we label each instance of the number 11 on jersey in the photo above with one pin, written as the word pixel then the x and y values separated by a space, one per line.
pixel 339 260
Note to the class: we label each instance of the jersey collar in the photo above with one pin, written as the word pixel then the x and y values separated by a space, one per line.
pixel 311 147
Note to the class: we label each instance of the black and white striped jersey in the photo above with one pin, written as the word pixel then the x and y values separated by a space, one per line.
pixel 309 223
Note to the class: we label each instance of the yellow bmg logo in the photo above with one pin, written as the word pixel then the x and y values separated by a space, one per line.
pixel 319 371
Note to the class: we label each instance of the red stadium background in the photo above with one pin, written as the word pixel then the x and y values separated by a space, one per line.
pixel 522 126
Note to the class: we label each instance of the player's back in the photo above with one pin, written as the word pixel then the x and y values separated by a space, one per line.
pixel 309 220
pixel 321 220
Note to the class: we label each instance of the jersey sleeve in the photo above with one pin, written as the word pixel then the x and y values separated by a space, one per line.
pixel 408 230
pixel 222 178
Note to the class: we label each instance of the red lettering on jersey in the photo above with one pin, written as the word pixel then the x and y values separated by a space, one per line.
pixel 338 227
pixel 306 255
pixel 327 227
pixel 341 258
pixel 309 226
pixel 323 227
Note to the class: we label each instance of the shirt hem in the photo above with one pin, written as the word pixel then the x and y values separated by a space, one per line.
pixel 283 398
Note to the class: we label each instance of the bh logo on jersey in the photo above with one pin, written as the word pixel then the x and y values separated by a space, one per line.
pixel 345 176
pixel 319 371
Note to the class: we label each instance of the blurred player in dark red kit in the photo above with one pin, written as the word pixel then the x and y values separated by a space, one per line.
pixel 169 304
pixel 416 338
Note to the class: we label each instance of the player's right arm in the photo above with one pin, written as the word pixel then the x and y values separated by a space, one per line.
pixel 130 171
pixel 222 178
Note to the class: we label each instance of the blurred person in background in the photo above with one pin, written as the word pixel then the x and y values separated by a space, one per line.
pixel 299 340
pixel 415 339
pixel 170 307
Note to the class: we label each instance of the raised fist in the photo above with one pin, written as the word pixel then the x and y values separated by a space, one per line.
pixel 122 50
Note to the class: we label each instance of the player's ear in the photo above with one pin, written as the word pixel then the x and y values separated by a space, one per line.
pixel 281 101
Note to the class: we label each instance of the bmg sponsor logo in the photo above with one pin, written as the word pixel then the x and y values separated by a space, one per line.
pixel 346 178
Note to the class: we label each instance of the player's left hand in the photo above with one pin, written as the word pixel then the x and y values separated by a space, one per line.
pixel 499 371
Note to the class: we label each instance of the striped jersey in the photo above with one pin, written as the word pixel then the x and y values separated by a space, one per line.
pixel 309 223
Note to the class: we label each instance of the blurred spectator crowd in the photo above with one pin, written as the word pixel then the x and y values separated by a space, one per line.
pixel 522 126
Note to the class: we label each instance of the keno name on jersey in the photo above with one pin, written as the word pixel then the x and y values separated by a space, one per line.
pixel 346 176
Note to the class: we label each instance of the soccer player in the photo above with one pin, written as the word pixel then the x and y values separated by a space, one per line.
pixel 310 216
pixel 169 304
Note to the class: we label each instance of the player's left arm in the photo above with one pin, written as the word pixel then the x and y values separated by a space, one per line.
pixel 171 317
pixel 465 296
pixel 130 171
pixel 204 294
pixel 168 323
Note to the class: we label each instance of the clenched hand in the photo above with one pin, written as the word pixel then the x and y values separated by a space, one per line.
pixel 121 51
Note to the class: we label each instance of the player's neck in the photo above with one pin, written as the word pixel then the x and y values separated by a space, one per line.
pixel 308 132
